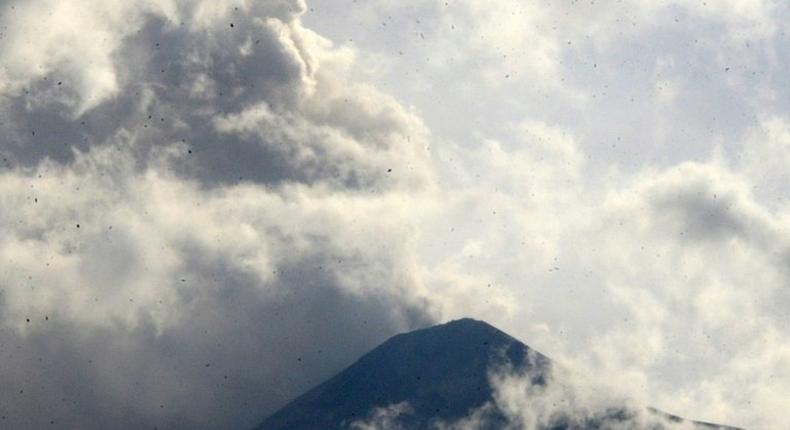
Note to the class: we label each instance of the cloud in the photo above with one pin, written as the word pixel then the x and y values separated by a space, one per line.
pixel 697 266
pixel 559 400
pixel 763 157
pixel 202 216
pixel 646 243
pixel 273 289
pixel 383 418
pixel 669 281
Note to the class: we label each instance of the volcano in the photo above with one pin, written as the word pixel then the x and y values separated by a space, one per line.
pixel 436 377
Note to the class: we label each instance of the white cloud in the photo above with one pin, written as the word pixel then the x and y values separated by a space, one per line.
pixel 559 400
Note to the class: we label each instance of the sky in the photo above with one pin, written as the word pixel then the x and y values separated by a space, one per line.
pixel 209 206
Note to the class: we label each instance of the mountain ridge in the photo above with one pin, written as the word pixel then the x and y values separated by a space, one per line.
pixel 443 374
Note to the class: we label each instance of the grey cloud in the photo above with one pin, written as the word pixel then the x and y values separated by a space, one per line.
pixel 699 209
pixel 176 78
pixel 233 359
pixel 706 205
pixel 171 259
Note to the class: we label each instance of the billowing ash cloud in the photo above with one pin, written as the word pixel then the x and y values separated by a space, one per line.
pixel 243 88
pixel 198 214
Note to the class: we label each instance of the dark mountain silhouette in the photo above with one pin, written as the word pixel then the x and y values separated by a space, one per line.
pixel 442 374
